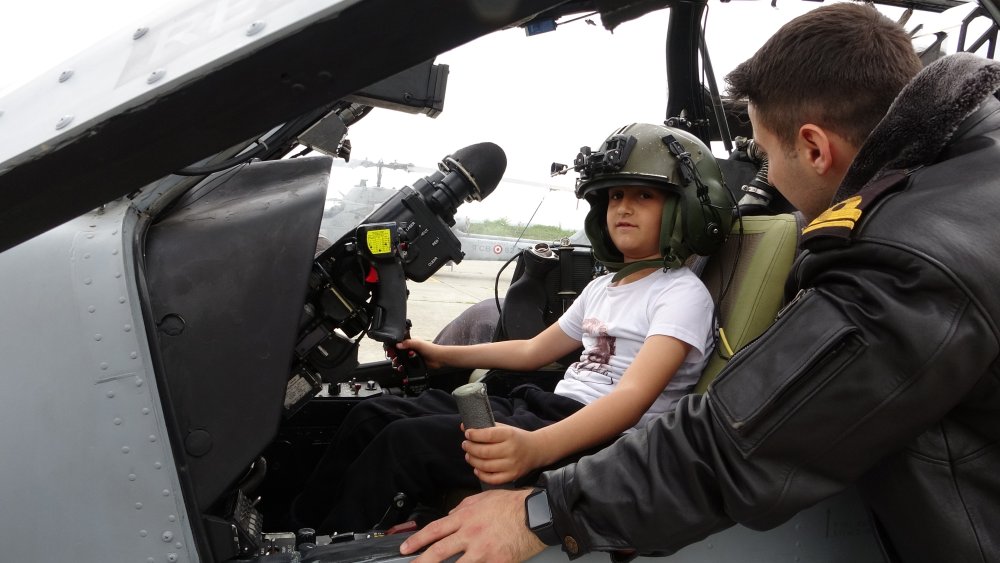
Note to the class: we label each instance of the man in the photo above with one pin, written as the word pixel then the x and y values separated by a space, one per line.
pixel 883 369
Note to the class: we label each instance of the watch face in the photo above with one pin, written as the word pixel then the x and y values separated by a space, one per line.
pixel 537 506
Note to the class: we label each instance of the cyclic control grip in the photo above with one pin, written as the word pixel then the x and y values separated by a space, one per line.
pixel 474 405
pixel 474 408
pixel 379 243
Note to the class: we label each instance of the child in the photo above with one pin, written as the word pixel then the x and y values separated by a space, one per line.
pixel 646 331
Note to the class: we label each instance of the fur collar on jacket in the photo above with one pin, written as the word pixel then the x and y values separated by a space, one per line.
pixel 924 117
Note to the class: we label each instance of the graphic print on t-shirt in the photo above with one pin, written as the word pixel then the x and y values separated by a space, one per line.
pixel 599 355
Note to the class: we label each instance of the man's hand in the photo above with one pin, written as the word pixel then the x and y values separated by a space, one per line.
pixel 485 528
pixel 502 453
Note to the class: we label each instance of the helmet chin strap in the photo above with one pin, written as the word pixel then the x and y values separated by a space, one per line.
pixel 605 251
pixel 670 238
pixel 666 263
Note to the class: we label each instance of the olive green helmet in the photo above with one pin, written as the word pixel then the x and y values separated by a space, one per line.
pixel 696 218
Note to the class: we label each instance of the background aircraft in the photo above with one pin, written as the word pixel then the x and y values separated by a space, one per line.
pixel 344 211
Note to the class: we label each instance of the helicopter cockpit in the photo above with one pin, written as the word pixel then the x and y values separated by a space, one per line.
pixel 222 332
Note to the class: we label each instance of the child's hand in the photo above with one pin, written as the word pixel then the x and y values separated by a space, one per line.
pixel 502 453
pixel 432 353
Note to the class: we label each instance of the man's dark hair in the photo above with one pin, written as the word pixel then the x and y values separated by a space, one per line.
pixel 838 66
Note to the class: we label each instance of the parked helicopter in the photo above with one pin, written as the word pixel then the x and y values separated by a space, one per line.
pixel 344 211
pixel 173 347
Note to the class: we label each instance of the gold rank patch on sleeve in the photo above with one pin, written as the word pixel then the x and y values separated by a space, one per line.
pixel 841 216
pixel 833 227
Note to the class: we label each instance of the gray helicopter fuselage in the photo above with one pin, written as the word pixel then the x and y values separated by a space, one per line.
pixel 88 472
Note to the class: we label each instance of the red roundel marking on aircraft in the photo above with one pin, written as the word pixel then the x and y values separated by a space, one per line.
pixel 497 249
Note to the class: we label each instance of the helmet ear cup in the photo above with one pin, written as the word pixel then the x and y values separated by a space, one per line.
pixel 595 225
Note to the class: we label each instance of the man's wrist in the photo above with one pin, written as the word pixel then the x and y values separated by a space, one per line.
pixel 538 517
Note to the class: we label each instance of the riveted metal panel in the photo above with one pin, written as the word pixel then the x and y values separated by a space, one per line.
pixel 239 69
pixel 87 472
pixel 136 64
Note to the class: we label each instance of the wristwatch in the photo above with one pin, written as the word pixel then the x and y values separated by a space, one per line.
pixel 538 516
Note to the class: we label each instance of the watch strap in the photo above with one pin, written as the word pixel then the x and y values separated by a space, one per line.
pixel 538 517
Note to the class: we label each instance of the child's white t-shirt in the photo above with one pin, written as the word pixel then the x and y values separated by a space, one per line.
pixel 612 322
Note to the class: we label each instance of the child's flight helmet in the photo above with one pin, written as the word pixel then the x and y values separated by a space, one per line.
pixel 696 218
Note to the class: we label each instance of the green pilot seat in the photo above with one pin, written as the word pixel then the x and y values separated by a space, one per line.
pixel 767 246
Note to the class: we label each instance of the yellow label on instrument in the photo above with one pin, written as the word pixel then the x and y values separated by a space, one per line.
pixel 379 241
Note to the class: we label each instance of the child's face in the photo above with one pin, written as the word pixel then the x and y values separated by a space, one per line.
pixel 634 214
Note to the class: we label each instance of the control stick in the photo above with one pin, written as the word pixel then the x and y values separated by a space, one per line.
pixel 474 408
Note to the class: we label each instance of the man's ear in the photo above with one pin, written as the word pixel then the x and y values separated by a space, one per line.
pixel 818 146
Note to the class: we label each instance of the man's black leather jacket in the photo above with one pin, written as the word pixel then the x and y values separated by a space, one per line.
pixel 882 371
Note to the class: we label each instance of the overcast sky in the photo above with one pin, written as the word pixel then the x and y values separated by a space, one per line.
pixel 540 98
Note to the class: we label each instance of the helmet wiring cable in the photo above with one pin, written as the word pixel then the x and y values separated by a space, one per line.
pixel 496 289
pixel 708 75
pixel 720 335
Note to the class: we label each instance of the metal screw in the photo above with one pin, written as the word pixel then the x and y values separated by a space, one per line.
pixel 155 76
pixel 255 28
pixel 64 121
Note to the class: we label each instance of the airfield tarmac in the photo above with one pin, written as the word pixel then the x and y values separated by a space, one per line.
pixel 435 302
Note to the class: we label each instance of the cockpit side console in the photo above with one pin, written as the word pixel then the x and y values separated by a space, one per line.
pixel 241 343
